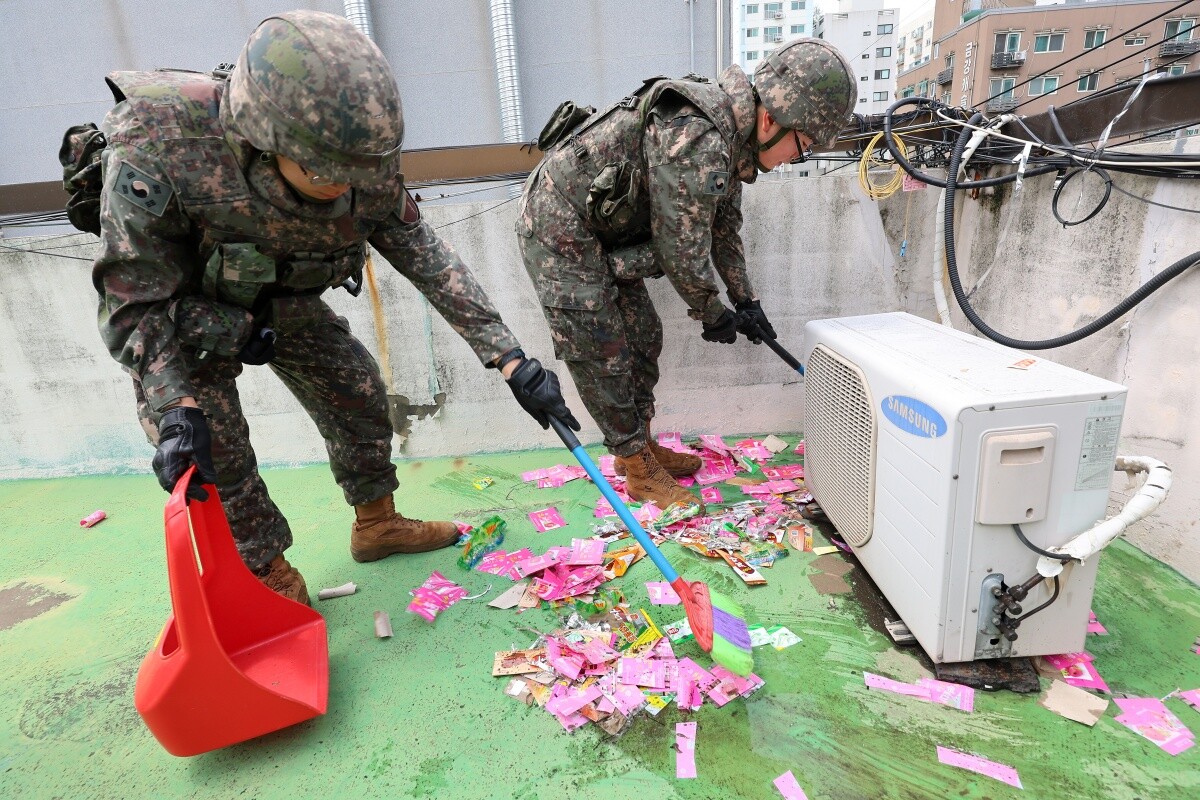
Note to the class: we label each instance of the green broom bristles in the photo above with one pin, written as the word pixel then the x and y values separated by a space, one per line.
pixel 731 638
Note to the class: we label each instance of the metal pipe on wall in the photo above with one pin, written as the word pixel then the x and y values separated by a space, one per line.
pixel 359 13
pixel 504 48
pixel 720 8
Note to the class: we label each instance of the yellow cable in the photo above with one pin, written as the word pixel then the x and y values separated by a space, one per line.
pixel 879 191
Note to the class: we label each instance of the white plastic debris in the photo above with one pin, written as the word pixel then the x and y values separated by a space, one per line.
pixel 338 591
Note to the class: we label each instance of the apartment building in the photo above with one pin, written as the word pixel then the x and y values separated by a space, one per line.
pixel 1001 59
pixel 914 42
pixel 758 28
pixel 865 31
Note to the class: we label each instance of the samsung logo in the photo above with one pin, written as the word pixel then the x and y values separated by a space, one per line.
pixel 911 415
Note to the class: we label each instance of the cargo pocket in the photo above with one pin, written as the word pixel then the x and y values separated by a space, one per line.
pixel 237 272
pixel 207 326
pixel 298 312
pixel 584 324
pixel 631 263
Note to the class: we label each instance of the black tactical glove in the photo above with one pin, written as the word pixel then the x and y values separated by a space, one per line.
pixel 260 349
pixel 537 390
pixel 752 322
pixel 183 440
pixel 724 330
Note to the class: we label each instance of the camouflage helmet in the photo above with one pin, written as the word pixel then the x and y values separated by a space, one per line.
pixel 808 86
pixel 311 87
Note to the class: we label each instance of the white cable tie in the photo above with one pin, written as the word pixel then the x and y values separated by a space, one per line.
pixel 1022 161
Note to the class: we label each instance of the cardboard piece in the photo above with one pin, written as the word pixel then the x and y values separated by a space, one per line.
pixel 1073 703
pixel 510 598
pixel 825 583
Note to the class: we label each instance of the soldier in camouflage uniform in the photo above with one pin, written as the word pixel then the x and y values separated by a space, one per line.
pixel 652 187
pixel 230 203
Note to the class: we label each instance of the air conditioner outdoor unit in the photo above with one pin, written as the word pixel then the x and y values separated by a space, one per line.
pixel 778 15
pixel 776 38
pixel 924 446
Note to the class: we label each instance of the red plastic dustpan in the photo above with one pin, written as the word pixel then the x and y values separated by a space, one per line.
pixel 235 660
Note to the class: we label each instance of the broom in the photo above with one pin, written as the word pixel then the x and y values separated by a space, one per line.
pixel 717 622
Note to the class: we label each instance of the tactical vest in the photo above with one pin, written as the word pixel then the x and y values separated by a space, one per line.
pixel 252 250
pixel 601 168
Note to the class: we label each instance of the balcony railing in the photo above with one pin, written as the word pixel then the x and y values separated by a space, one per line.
pixel 1179 48
pixel 1001 104
pixel 1009 59
pixel 944 76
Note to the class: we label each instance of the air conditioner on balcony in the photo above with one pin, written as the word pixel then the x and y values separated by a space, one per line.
pixel 924 445
pixel 776 39
pixel 778 15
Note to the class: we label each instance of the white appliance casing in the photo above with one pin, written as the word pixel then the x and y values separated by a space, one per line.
pixel 909 502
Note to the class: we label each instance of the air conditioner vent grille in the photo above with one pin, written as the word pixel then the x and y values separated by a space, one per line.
pixel 839 432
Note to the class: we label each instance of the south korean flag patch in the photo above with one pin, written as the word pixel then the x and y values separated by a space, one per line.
pixel 140 189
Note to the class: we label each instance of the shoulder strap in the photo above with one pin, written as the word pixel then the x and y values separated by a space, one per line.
pixel 708 97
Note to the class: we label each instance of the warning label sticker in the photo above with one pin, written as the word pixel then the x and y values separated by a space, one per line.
pixel 1099 450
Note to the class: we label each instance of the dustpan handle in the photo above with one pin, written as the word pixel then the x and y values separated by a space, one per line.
pixel 183 571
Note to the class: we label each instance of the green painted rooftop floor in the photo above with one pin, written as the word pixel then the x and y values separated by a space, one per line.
pixel 421 716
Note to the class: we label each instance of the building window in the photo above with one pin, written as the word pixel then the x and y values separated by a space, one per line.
pixel 882 29
pixel 1093 39
pixel 863 78
pixel 1001 88
pixel 798 5
pixel 936 48
pixel 866 56
pixel 862 99
pixel 773 33
pixel 1044 85
pixel 950 61
pixel 866 33
pixel 1177 69
pixel 882 74
pixel 1135 41
pixel 751 55
pixel 1180 29
pixel 752 9
pixel 878 96
pixel 1008 42
pixel 1048 43
pixel 1087 83
pixel 797 29
pixel 883 52
pixel 773 10
pixel 751 33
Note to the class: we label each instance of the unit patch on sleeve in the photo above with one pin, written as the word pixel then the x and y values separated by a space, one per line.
pixel 716 182
pixel 140 189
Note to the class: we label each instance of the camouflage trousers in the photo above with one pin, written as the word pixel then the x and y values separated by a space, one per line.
pixel 338 383
pixel 606 331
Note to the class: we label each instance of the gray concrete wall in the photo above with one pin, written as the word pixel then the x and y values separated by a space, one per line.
pixel 1029 278
pixel 69 410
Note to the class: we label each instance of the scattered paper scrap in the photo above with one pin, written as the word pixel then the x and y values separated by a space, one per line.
pixel 547 519
pixel 1078 670
pixel 93 518
pixel 661 594
pixel 435 595
pixel 781 637
pixel 519 662
pixel 789 787
pixel 681 631
pixel 1148 717
pixel 1094 625
pixel 344 590
pixel 711 494
pixel 483 482
pixel 883 684
pixel 1192 698
pixel 941 692
pixel 510 598
pixel 504 564
pixel 685 746
pixel 482 541
pixel 1001 772
pixel 383 625
pixel 1073 703
pixel 775 444
pixel 824 550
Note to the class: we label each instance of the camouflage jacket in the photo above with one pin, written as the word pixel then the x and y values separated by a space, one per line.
pixel 202 240
pixel 677 203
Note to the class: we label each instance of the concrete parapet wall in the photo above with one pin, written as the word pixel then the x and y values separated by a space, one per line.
pixel 69 408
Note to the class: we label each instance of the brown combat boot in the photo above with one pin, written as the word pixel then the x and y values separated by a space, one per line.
pixel 646 480
pixel 679 465
pixel 379 531
pixel 282 578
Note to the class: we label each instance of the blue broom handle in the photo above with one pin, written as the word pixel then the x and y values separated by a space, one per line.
pixel 572 442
